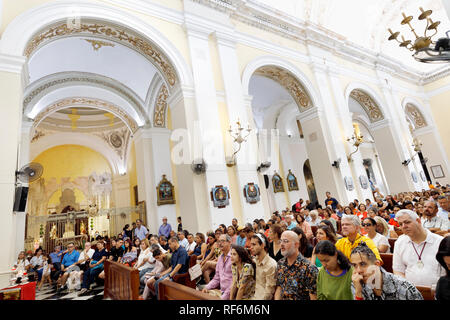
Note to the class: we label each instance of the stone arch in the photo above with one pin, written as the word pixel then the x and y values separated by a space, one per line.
pixel 414 112
pixel 286 74
pixel 368 99
pixel 41 88
pixel 26 33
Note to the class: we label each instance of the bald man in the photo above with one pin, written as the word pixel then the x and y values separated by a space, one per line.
pixel 295 275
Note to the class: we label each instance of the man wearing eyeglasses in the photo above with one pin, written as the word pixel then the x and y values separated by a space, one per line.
pixel 295 275
pixel 351 225
pixel 68 264
pixel 223 278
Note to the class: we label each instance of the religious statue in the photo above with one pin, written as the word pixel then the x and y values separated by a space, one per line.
pixel 53 235
pixel 82 228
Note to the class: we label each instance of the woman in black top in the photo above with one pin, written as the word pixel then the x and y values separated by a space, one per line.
pixel 275 244
pixel 127 232
pixel 180 225
pixel 443 257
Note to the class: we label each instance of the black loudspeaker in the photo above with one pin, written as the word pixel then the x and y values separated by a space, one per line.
pixel 20 199
pixel 266 181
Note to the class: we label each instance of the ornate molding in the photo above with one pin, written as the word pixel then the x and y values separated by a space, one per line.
pixel 58 80
pixel 108 32
pixel 288 81
pixel 117 140
pixel 371 108
pixel 159 115
pixel 415 115
pixel 79 101
pixel 97 44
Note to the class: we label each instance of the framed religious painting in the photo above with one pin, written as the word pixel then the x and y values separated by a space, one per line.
pixel 437 171
pixel 220 196
pixel 422 176
pixel 251 193
pixel 277 182
pixel 363 181
pixel 165 192
pixel 349 183
pixel 292 181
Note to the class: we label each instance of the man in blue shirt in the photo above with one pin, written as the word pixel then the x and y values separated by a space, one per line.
pixel 290 223
pixel 95 268
pixel 56 258
pixel 140 231
pixel 242 238
pixel 179 263
pixel 165 228
pixel 329 201
pixel 68 265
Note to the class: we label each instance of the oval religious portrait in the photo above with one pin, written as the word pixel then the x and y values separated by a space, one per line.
pixel 115 140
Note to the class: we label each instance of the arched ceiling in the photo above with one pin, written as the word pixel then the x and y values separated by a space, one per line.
pixel 365 23
pixel 83 54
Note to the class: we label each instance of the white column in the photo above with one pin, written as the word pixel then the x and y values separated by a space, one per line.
pixel 346 131
pixel 294 162
pixel 24 158
pixel 236 107
pixel 335 148
pixel 208 116
pixel 121 191
pixel 152 161
pixel 391 139
pixel 397 175
pixel 11 92
pixel 403 127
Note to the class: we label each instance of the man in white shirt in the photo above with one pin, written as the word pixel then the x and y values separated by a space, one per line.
pixel 415 251
pixel 191 244
pixel 432 221
pixel 182 240
pixel 85 255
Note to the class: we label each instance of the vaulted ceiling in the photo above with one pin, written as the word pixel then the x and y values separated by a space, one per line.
pixel 365 23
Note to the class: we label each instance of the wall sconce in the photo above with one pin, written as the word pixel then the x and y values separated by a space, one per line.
pixel 336 163
pixel 417 148
pixel 236 134
pixel 356 140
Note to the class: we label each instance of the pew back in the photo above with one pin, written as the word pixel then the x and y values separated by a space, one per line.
pixel 121 282
pixel 168 290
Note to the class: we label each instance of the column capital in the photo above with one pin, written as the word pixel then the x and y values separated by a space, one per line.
pixel 14 64
pixel 310 114
pixel 380 124
pixel 151 133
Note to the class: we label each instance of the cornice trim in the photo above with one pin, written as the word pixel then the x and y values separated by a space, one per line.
pixel 13 64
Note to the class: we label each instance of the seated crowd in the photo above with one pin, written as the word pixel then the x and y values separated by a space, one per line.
pixel 307 252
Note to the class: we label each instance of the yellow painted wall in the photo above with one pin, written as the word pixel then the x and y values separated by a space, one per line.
pixel 131 171
pixel 71 161
pixel 12 8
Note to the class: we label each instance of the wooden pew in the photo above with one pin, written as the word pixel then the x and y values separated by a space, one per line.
pixel 392 243
pixel 387 261
pixel 121 282
pixel 427 292
pixel 185 278
pixel 168 290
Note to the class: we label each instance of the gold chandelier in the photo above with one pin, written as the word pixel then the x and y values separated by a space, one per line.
pixel 425 49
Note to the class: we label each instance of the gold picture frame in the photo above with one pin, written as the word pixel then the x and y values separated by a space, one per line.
pixel 165 192
pixel 292 181
pixel 277 182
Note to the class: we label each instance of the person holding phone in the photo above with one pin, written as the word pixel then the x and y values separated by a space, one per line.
pixel 371 282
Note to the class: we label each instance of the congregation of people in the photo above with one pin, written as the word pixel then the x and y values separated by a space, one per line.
pixel 311 251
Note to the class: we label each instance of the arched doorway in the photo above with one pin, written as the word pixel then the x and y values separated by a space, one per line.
pixel 310 182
